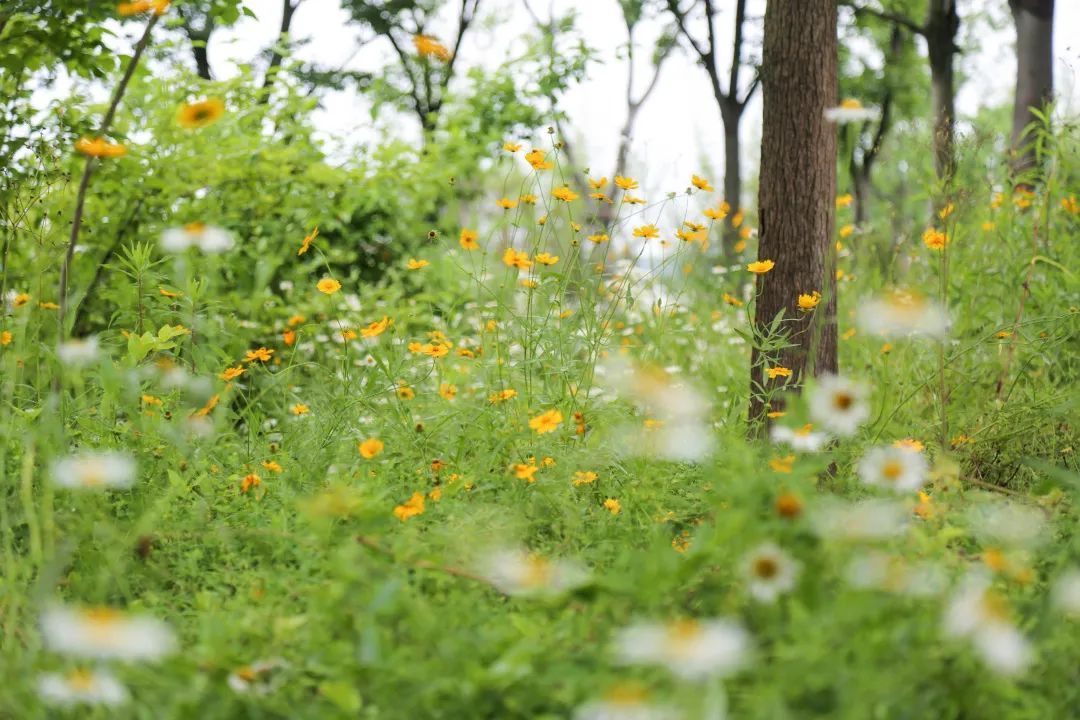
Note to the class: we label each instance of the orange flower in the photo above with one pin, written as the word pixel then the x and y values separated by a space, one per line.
pixel 536 158
pixel 299 409
pixel 517 259
pixel 251 480
pixel 546 422
pixel 377 328
pixel 306 244
pixel 100 148
pixel 233 373
pixel 261 354
pixel 200 114
pixel 428 46
pixel 370 448
pixel 328 286
pixel 468 239
pixel 288 337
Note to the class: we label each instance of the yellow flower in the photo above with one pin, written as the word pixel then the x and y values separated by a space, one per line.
pixel 1070 205
pixel 739 246
pixel 502 396
pixel 404 392
pixel 584 477
pixel 935 239
pixel 261 355
pixel 626 183
pixel 524 471
pixel 468 239
pixel 100 148
pixel 909 444
pixel 5 337
pixel 377 327
pixel 127 9
pixel 886 348
pixel 700 183
pixel 809 302
pixel 414 264
pixel 506 203
pixel 370 448
pixel 731 300
pixel 599 238
pixel 296 320
pixel 988 226
pixel 528 199
pixel 850 104
pixel 612 506
pixel 233 373
pixel 511 147
pixel 719 212
pixel 517 259
pixel 602 197
pixel 328 286
pixel 200 114
pixel 597 184
pixel 150 400
pixel 633 199
pixel 447 391
pixel 564 193
pixel 782 464
pixel 646 231
pixel 410 508
pixel 272 466
pixel 775 372
pixel 946 211
pixel 428 46
pixel 789 506
pixel 546 422
pixel 299 409
pixel 306 244
pixel 536 158
pixel 847 230
pixel 288 337
pixel 842 201
pixel 761 267
pixel 546 258
pixel 168 293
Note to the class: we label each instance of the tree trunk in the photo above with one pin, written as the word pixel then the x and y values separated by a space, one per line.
pixel 941 27
pixel 202 59
pixel 1034 20
pixel 861 187
pixel 732 173
pixel 797 187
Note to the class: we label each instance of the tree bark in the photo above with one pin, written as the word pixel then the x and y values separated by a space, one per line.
pixel 942 24
pixel 797 188
pixel 732 173
pixel 288 9
pixel 1034 20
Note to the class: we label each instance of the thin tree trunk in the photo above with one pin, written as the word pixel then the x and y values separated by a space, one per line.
pixel 940 31
pixel 860 176
pixel 288 8
pixel 202 60
pixel 732 173
pixel 1034 20
pixel 797 187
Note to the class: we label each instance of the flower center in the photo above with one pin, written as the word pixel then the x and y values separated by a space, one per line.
pixel 766 568
pixel 892 470
pixel 843 401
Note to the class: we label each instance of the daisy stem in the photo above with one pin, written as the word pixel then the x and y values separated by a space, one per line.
pixel 714 704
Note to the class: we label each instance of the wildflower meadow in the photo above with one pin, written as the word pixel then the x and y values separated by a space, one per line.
pixel 467 416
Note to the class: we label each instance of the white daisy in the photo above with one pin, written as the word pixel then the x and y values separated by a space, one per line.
pixel 895 468
pixel 624 702
pixel 207 238
pixel 105 634
pixel 94 470
pixel 804 439
pixel 690 649
pixel 520 573
pixel 1002 522
pixel 86 687
pixel 902 313
pixel 979 614
pixel 78 353
pixel 838 405
pixel 894 574
pixel 770 571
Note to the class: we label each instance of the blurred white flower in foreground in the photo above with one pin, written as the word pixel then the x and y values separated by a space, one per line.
pixel 838 405
pixel 770 571
pixel 690 649
pixel 899 469
pixel 860 520
pixel 256 678
pixel 804 439
pixel 105 634
pixel 78 353
pixel 207 238
pixel 624 702
pixel 1003 522
pixel 520 573
pixel 892 573
pixel 1066 592
pixel 677 414
pixel 980 615
pixel 87 687
pixel 901 313
pixel 94 471
pixel 849 111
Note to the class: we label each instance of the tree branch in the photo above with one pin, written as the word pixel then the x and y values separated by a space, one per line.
pixel 894 18
pixel 288 8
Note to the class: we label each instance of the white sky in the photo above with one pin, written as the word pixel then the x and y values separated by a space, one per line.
pixel 678 130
